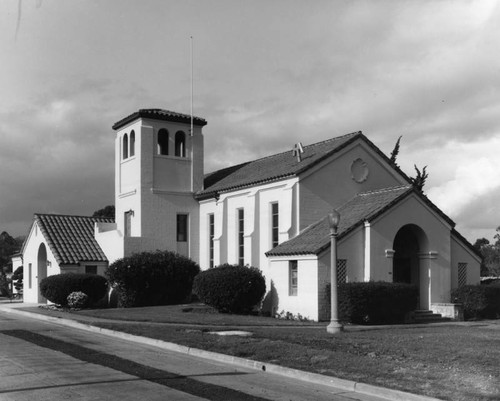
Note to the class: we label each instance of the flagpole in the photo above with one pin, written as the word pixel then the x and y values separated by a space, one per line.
pixel 192 132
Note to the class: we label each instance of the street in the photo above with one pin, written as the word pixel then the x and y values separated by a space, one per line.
pixel 46 361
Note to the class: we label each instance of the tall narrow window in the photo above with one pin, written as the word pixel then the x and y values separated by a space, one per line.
pixel 341 271
pixel 163 142
pixel 132 143
pixel 241 239
pixel 275 229
pixel 182 228
pixel 462 274
pixel 180 144
pixel 293 278
pixel 125 146
pixel 128 223
pixel 211 234
pixel 30 275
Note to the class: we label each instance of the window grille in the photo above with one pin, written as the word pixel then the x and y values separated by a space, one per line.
pixel 341 271
pixel 241 238
pixel 293 278
pixel 462 274
pixel 211 234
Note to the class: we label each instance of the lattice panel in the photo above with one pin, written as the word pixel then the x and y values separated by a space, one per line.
pixel 462 274
pixel 341 271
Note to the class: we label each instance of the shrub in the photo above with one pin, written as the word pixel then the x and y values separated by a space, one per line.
pixel 374 302
pixel 230 288
pixel 77 300
pixel 152 278
pixel 479 301
pixel 56 288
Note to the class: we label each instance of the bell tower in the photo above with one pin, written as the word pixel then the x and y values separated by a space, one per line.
pixel 158 169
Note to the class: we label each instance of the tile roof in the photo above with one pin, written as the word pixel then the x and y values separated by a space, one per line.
pixel 160 114
pixel 275 167
pixel 71 238
pixel 364 206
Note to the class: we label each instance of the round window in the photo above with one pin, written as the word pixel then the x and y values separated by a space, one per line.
pixel 359 170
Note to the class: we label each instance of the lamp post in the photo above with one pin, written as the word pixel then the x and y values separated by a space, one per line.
pixel 334 327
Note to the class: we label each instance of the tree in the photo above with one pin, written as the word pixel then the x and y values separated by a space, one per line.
pixel 419 180
pixel 108 211
pixel 8 247
pixel 490 266
pixel 395 151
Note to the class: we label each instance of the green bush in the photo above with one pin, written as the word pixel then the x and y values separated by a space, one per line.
pixel 374 302
pixel 230 288
pixel 479 301
pixel 152 278
pixel 56 288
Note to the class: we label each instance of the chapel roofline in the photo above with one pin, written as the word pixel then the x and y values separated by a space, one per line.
pixel 160 114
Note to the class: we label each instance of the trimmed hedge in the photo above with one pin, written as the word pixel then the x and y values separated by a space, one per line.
pixel 152 278
pixel 56 288
pixel 230 288
pixel 374 302
pixel 479 301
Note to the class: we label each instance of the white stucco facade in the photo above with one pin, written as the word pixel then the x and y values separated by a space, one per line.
pixel 240 215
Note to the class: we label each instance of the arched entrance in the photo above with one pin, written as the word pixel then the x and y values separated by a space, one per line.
pixel 41 270
pixel 410 243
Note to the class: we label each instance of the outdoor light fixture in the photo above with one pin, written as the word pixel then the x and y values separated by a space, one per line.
pixel 333 220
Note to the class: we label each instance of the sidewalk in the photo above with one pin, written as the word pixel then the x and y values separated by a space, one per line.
pixel 85 323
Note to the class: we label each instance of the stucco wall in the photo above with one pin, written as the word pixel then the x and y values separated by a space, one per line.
pixel 30 257
pixel 305 302
pixel 331 185
pixel 461 254
pixel 435 248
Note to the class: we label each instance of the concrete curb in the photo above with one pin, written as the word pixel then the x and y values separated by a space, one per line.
pixel 347 385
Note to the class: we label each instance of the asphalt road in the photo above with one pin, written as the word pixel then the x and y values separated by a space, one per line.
pixel 46 361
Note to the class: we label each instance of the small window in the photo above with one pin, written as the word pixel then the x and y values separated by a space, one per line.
pixel 180 144
pixel 91 269
pixel 132 143
pixel 293 278
pixel 125 146
pixel 275 229
pixel 341 271
pixel 241 238
pixel 128 223
pixel 211 234
pixel 462 274
pixel 182 228
pixel 163 142
pixel 30 275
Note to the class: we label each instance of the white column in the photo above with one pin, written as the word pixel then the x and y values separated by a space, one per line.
pixel 368 246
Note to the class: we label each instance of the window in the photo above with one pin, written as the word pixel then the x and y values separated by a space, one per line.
pixel 462 274
pixel 275 229
pixel 182 228
pixel 128 223
pixel 241 239
pixel 293 278
pixel 30 271
pixel 132 143
pixel 341 271
pixel 125 146
pixel 163 142
pixel 211 233
pixel 180 144
pixel 91 269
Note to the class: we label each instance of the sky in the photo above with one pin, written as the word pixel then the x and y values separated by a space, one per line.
pixel 266 75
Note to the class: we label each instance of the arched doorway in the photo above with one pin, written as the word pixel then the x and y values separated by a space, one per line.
pixel 41 270
pixel 410 243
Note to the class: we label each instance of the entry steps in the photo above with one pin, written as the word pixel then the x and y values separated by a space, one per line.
pixel 428 316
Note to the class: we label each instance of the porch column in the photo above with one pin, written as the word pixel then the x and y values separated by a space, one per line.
pixel 368 245
pixel 425 277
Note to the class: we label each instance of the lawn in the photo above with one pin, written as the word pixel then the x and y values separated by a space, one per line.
pixel 446 361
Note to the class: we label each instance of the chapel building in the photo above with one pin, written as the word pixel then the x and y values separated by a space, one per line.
pixel 269 213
